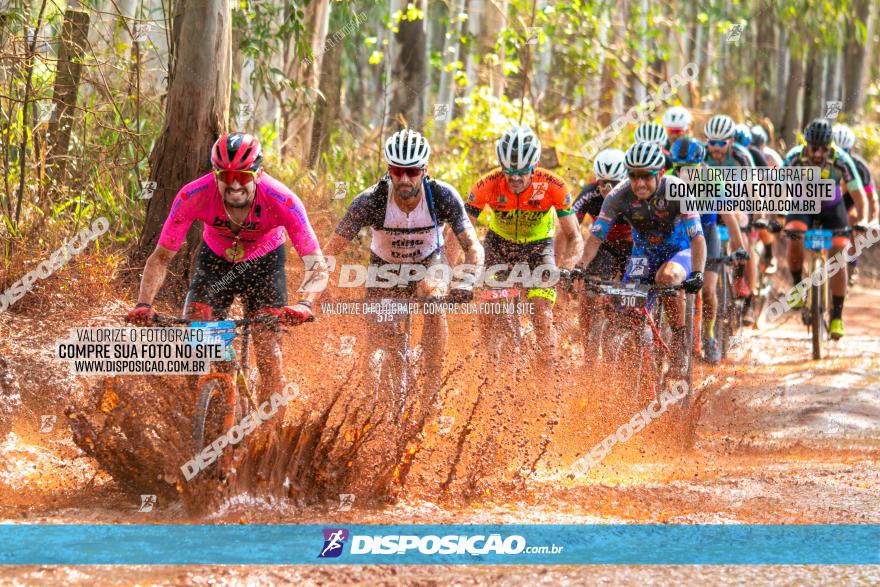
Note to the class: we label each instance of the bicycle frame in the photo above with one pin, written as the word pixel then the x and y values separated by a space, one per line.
pixel 635 324
pixel 817 241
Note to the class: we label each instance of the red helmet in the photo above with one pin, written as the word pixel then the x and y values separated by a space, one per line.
pixel 237 151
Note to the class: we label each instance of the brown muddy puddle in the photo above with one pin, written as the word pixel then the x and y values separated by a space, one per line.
pixel 780 439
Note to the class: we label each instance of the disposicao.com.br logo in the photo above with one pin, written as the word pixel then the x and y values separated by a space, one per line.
pixel 397 544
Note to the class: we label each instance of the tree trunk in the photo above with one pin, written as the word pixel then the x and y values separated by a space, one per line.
pixel 822 83
pixel 74 33
pixel 326 117
pixel 790 123
pixel 196 112
pixel 297 116
pixel 856 60
pixel 765 56
pixel 495 19
pixel 451 53
pixel 610 69
pixel 811 80
pixel 472 55
pixel 409 73
pixel 784 68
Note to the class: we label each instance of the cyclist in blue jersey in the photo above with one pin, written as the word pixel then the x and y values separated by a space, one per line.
pixel 723 151
pixel 668 244
pixel 691 153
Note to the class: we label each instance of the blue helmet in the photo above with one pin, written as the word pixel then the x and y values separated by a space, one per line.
pixel 742 135
pixel 687 151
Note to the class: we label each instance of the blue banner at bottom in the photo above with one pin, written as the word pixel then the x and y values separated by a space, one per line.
pixel 181 544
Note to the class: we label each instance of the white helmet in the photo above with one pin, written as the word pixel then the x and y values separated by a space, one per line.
pixel 518 148
pixel 407 148
pixel 610 164
pixel 677 117
pixel 843 136
pixel 719 127
pixel 645 156
pixel 650 132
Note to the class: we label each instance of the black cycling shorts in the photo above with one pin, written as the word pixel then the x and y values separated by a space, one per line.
pixel 713 247
pixel 500 251
pixel 401 291
pixel 259 283
pixel 830 218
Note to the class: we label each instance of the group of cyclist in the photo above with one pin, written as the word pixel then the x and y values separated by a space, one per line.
pixel 636 233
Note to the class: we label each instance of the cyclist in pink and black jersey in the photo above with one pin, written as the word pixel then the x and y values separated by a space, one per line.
pixel 246 214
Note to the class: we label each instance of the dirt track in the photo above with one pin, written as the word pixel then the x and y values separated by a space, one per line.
pixel 781 439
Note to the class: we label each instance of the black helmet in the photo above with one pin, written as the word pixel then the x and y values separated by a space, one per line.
pixel 818 133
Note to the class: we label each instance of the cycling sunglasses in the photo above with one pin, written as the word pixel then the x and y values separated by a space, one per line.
pixel 407 171
pixel 229 177
pixel 604 183
pixel 525 171
pixel 717 142
pixel 642 175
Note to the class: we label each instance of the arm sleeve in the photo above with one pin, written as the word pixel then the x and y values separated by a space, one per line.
pixel 580 206
pixel 296 222
pixel 178 222
pixel 450 208
pixel 850 174
pixel 608 215
pixel 562 201
pixel 475 202
pixel 358 215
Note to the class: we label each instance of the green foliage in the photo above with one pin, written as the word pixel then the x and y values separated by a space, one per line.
pixel 266 30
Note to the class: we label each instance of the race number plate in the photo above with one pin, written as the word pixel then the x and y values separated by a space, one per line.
pixel 390 311
pixel 625 297
pixel 488 295
pixel 218 332
pixel 817 240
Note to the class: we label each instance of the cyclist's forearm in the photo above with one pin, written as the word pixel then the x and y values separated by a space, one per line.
pixel 698 253
pixel 155 270
pixel 733 232
pixel 573 248
pixel 860 199
pixel 590 250
pixel 873 208
pixel 473 250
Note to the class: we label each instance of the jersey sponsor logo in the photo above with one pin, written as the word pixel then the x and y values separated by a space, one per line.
pixel 219 221
pixel 553 179
pixel 194 191
pixel 406 243
pixel 638 266
pixel 539 189
pixel 502 200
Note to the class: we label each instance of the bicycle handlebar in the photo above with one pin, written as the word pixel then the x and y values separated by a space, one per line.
pixel 798 234
pixel 732 258
pixel 593 283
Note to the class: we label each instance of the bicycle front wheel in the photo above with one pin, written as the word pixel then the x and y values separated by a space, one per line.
pixel 214 413
pixel 816 319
